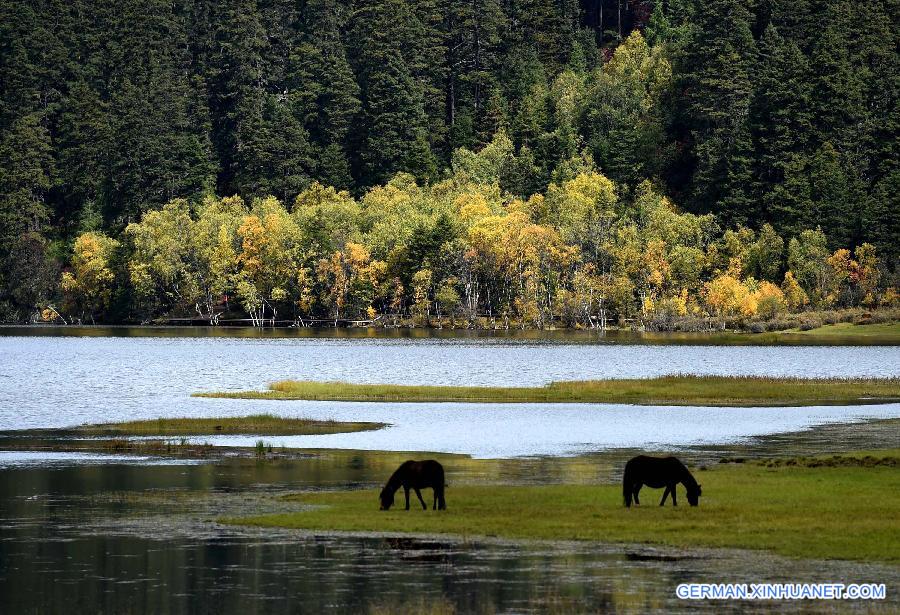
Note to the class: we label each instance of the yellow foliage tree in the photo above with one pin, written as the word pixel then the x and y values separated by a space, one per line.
pixel 727 297
pixel 794 295
pixel 770 300
pixel 88 286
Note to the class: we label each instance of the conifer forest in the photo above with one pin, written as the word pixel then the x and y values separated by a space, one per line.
pixel 536 163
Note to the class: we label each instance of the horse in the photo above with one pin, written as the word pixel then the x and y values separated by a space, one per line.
pixel 416 475
pixel 658 472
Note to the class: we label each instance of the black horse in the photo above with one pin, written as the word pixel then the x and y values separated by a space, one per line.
pixel 658 472
pixel 416 475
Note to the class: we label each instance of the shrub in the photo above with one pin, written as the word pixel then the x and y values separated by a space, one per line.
pixel 810 322
pixel 757 327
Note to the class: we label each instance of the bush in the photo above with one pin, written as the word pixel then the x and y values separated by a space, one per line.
pixel 810 322
pixel 758 327
pixel 882 316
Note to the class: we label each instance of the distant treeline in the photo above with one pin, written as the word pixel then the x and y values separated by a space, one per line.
pixel 774 115
pixel 581 254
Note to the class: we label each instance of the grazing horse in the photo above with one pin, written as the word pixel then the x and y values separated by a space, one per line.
pixel 416 475
pixel 658 472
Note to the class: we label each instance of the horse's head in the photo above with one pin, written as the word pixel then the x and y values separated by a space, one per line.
pixel 387 498
pixel 693 495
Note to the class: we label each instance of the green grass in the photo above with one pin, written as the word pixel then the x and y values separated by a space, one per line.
pixel 842 330
pixel 832 512
pixel 259 424
pixel 667 390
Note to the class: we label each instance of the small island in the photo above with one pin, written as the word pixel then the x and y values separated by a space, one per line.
pixel 676 390
pixel 257 425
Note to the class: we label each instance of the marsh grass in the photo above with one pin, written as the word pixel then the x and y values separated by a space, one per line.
pixel 832 512
pixel 180 448
pixel 666 390
pixel 258 424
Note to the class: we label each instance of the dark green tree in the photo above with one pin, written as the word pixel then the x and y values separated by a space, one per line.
pixel 323 90
pixel 393 134
pixel 26 175
pixel 715 76
pixel 782 127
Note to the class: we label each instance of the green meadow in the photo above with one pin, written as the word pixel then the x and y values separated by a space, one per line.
pixel 841 507
pixel 885 332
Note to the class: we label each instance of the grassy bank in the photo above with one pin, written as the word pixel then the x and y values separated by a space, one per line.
pixel 257 425
pixel 837 511
pixel 667 390
pixel 886 332
pixel 787 333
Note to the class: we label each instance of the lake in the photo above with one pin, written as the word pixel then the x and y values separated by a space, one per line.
pixel 65 381
pixel 136 534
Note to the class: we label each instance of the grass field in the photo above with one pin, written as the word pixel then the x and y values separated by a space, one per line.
pixel 881 331
pixel 845 509
pixel 259 424
pixel 667 390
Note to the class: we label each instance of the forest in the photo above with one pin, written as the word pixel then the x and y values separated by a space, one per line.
pixel 534 162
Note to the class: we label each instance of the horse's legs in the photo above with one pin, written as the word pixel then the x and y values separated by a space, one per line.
pixel 406 492
pixel 674 501
pixel 419 494
pixel 665 495
pixel 637 491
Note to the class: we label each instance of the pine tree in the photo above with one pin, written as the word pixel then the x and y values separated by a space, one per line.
pixel 323 91
pixel 715 76
pixel 795 21
pixel 782 127
pixel 237 91
pixel 278 160
pixel 831 192
pixel 838 102
pixel 881 219
pixel 83 142
pixel 26 176
pixel 393 105
pixel 429 68
pixel 474 30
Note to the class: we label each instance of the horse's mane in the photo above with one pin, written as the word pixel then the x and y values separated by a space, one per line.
pixel 687 478
pixel 394 481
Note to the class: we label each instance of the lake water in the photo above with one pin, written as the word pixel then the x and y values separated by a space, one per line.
pixel 50 382
pixel 102 533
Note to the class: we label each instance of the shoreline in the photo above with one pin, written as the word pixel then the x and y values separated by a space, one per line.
pixel 876 334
